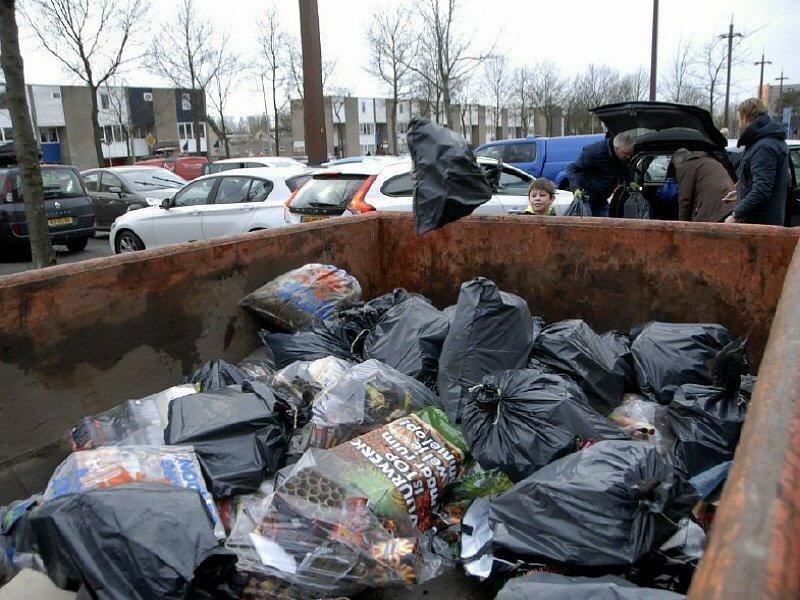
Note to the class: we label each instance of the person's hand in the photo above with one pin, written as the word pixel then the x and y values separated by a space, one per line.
pixel 729 197
pixel 731 219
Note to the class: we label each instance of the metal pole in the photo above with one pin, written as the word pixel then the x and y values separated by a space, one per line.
pixel 654 52
pixel 728 80
pixel 762 62
pixel 313 107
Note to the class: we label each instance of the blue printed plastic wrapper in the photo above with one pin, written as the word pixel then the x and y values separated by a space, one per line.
pixel 300 298
pixel 175 466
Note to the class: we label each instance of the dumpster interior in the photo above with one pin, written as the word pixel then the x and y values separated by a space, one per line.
pixel 502 407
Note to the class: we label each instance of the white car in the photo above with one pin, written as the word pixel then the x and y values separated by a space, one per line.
pixel 211 206
pixel 251 162
pixel 362 187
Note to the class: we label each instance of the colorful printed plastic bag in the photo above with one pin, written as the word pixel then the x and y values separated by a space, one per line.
pixel 300 298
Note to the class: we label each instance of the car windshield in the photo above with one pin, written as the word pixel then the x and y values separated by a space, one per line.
pixel 150 179
pixel 57 183
pixel 328 191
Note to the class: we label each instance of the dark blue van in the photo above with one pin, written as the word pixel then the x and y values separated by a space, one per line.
pixel 540 156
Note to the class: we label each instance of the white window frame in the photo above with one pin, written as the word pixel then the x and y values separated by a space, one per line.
pixel 188 130
pixel 366 128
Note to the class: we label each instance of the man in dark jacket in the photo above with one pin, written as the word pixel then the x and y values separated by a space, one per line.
pixel 764 168
pixel 702 183
pixel 599 169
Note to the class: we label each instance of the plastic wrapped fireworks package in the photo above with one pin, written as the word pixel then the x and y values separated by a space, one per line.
pixel 133 423
pixel 348 518
pixel 300 298
pixel 368 395
pixel 644 420
pixel 176 466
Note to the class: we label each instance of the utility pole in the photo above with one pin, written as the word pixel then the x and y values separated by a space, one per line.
pixel 729 36
pixel 761 62
pixel 654 52
pixel 780 81
pixel 313 107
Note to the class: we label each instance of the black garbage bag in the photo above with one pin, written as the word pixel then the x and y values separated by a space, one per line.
pixel 239 433
pixel 448 182
pixel 318 342
pixel 552 586
pixel 636 206
pixel 668 355
pixel 520 421
pixel 136 541
pixel 490 331
pixel 672 565
pixel 707 422
pixel 579 207
pixel 607 505
pixel 620 344
pixel 217 374
pixel 259 364
pixel 409 337
pixel 599 367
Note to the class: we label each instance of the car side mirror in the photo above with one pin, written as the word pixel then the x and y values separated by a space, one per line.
pixel 115 189
pixel 166 203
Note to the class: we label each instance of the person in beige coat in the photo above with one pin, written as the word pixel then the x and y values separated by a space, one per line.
pixel 702 182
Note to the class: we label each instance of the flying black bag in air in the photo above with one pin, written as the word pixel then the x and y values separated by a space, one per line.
pixel 409 337
pixel 597 365
pixel 448 182
pixel 552 586
pixel 607 505
pixel 520 421
pixel 240 435
pixel 668 355
pixel 136 541
pixel 707 422
pixel 490 331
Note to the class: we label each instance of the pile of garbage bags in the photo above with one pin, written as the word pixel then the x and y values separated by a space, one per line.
pixel 384 442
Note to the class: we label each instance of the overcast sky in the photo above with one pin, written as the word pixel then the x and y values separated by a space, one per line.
pixel 569 33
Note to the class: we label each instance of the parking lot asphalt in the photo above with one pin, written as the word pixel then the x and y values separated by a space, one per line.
pixel 97 247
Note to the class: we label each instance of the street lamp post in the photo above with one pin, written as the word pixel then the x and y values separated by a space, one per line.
pixel 654 52
pixel 761 62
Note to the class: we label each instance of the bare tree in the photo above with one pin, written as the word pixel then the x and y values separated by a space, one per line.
pixel 710 61
pixel 466 94
pixel 391 48
pixel 273 59
pixel 114 90
pixel 520 95
pixel 339 97
pixel 295 73
pixel 226 77
pixel 680 81
pixel 89 38
pixel 496 80
pixel 633 86
pixel 547 92
pixel 24 141
pixel 186 51
pixel 451 51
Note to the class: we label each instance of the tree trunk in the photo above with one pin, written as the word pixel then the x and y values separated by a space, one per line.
pixel 446 101
pixel 393 121
pixel 98 145
pixel 24 141
pixel 275 112
pixel 224 135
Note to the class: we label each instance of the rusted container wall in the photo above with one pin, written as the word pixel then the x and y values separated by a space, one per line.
pixel 613 274
pixel 77 339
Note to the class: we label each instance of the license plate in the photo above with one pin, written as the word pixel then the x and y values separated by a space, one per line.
pixel 311 218
pixel 60 221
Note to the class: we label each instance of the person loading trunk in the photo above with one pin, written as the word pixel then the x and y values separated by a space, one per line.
pixel 599 169
pixel 764 168
pixel 702 183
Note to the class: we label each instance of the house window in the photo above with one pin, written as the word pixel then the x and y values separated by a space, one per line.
pixel 366 128
pixel 56 95
pixel 147 96
pixel 186 131
pixel 105 103
pixel 8 134
pixel 363 107
pixel 48 135
pixel 112 133
pixel 402 127
pixel 401 109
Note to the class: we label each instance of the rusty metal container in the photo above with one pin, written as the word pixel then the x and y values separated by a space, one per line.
pixel 77 339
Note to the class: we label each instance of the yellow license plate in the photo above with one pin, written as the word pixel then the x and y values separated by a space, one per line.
pixel 60 221
pixel 311 218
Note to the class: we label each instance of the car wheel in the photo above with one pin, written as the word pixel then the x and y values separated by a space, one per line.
pixel 77 244
pixel 127 241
